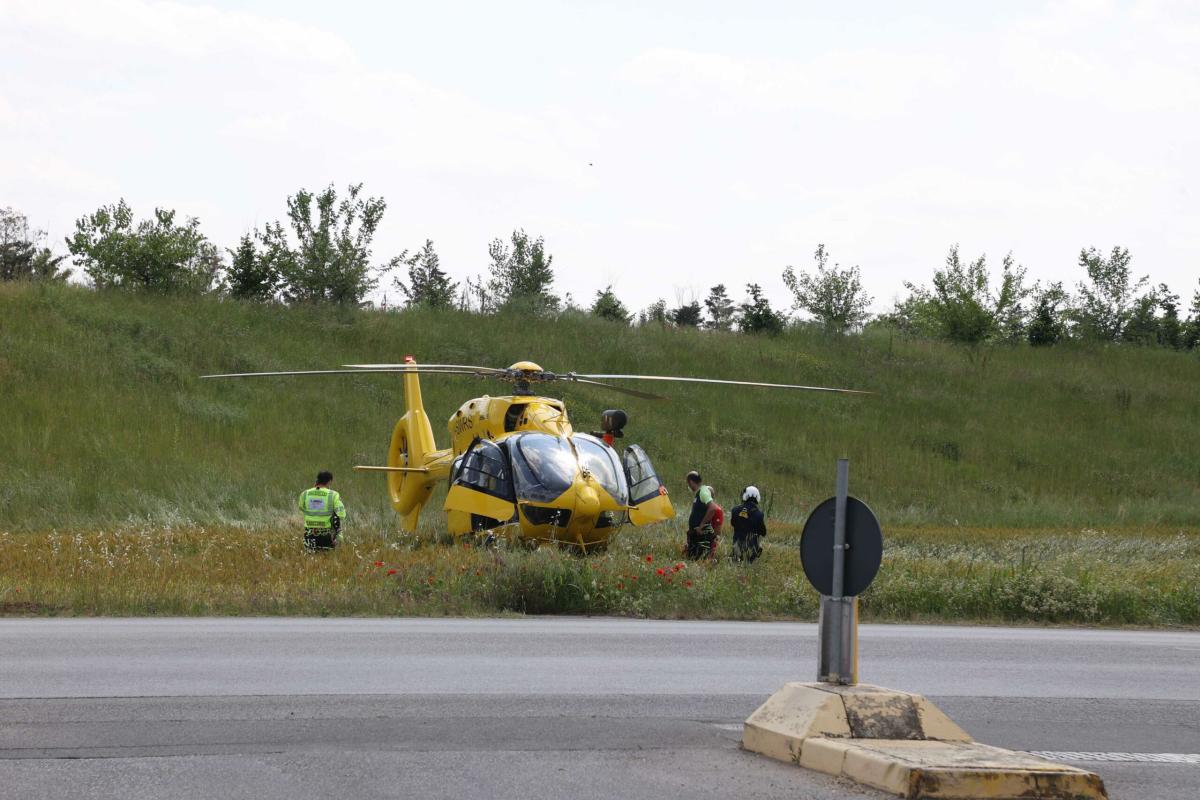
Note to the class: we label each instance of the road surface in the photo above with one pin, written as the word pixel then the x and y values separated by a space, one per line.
pixel 546 707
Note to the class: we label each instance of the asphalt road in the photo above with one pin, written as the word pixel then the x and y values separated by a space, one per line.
pixel 580 708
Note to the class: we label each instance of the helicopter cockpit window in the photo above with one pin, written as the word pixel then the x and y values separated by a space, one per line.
pixel 644 482
pixel 602 463
pixel 544 466
pixel 485 468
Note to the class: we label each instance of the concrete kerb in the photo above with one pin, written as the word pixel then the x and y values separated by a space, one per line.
pixel 901 743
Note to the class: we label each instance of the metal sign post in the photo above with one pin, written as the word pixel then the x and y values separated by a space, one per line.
pixel 836 663
pixel 841 550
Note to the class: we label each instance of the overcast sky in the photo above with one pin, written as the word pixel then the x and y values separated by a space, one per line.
pixel 662 147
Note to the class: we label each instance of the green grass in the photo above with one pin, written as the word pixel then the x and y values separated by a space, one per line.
pixel 106 421
pixel 1142 577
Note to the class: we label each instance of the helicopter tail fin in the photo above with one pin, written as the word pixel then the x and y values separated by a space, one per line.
pixel 415 464
pixel 412 391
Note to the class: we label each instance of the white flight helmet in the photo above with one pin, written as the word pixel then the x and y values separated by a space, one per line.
pixel 751 493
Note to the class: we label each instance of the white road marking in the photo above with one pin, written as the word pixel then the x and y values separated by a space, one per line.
pixel 724 727
pixel 1154 758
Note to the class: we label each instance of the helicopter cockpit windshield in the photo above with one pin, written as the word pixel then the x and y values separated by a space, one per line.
pixel 601 463
pixel 544 466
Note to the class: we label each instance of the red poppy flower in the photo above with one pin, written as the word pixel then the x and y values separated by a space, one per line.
pixel 379 563
pixel 660 571
pixel 391 572
pixel 620 585
pixel 635 577
pixel 687 584
pixel 649 559
pixel 679 566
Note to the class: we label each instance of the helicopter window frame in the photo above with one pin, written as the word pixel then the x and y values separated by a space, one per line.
pixel 592 452
pixel 485 467
pixel 541 474
pixel 644 483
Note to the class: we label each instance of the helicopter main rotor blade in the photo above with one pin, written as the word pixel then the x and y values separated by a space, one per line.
pixel 361 468
pixel 461 368
pixel 609 386
pixel 726 383
pixel 411 368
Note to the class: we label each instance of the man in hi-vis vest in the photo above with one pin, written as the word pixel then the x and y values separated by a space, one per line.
pixel 323 513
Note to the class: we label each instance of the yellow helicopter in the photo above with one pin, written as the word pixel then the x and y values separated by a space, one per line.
pixel 515 464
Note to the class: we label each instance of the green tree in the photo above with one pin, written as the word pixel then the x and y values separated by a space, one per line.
pixel 1191 331
pixel 961 306
pixel 16 245
pixel 153 255
pixel 608 306
pixel 474 296
pixel 521 274
pixel 1110 297
pixel 687 315
pixel 1046 325
pixel 1142 325
pixel 721 309
pixel 21 258
pixel 655 312
pixel 46 266
pixel 251 275
pixel 834 296
pixel 331 260
pixel 427 285
pixel 1169 329
pixel 756 315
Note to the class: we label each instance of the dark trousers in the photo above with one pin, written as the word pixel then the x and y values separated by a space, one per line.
pixel 746 546
pixel 323 538
pixel 702 542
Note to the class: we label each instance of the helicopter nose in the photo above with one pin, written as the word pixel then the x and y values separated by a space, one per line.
pixel 587 507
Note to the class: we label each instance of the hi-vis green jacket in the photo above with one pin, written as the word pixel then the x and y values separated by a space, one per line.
pixel 318 505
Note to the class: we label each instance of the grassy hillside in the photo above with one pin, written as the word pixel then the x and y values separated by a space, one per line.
pixel 106 421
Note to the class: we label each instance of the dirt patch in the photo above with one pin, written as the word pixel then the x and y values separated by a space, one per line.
pixel 27 609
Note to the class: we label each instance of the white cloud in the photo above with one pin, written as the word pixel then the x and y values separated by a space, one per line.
pixel 1120 59
pixel 266 83
pixel 182 31
pixel 858 83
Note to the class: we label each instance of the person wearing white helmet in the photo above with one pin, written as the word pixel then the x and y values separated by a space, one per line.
pixel 749 524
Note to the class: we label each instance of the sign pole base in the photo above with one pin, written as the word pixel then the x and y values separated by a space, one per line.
pixel 837 662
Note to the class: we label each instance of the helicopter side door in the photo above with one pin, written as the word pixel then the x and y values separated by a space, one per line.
pixel 483 485
pixel 648 500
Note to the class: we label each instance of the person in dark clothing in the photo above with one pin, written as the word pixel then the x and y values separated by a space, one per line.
pixel 749 524
pixel 704 521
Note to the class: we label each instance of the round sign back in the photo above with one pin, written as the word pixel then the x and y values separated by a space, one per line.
pixel 864 551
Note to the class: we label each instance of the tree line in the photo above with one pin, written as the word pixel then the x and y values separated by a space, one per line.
pixel 322 253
